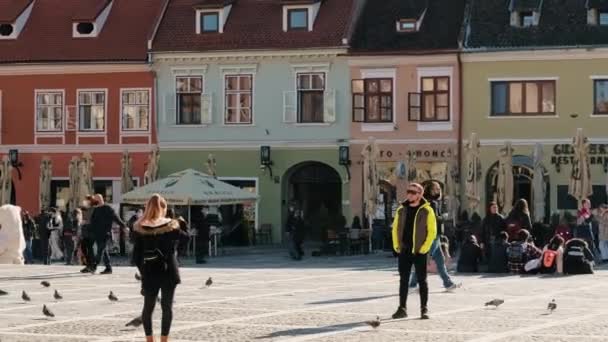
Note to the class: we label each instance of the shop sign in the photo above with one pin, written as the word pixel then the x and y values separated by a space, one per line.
pixel 563 154
pixel 420 153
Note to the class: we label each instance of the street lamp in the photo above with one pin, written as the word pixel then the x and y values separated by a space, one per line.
pixel 265 160
pixel 344 158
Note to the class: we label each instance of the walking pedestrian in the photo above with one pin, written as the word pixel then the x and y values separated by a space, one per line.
pixel 29 229
pixel 414 230
pixel 55 226
pixel 433 195
pixel 86 235
pixel 72 230
pixel 154 253
pixel 43 220
pixel 584 223
pixel 101 229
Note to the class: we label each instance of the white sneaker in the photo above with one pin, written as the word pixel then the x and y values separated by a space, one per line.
pixel 453 287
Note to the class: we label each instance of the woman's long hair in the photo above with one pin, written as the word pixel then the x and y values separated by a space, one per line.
pixel 155 208
pixel 521 206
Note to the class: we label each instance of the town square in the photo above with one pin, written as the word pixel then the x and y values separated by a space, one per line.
pixel 323 170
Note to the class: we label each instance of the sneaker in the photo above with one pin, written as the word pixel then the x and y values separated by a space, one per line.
pixel 453 287
pixel 400 313
pixel 424 313
pixel 86 270
pixel 107 271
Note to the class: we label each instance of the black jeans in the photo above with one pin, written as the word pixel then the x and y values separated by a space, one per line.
pixel 166 303
pixel 68 249
pixel 102 251
pixel 45 251
pixel 406 261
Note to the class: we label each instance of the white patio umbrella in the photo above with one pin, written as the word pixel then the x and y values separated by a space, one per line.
pixel 504 183
pixel 85 177
pixel 370 155
pixel 451 188
pixel 46 173
pixel 580 178
pixel 538 184
pixel 472 191
pixel 126 178
pixel 190 187
pixel 211 166
pixel 74 174
pixel 151 173
pixel 6 181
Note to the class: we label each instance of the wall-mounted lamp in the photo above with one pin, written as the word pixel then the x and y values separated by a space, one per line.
pixel 13 157
pixel 344 158
pixel 265 160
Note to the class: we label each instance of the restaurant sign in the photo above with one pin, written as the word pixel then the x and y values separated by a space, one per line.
pixel 563 154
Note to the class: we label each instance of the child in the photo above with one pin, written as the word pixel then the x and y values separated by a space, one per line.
pixel 470 256
pixel 552 259
pixel 498 254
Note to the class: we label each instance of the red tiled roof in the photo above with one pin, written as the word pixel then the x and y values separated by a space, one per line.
pixel 252 24
pixel 47 35
pixel 89 9
pixel 10 9
pixel 212 3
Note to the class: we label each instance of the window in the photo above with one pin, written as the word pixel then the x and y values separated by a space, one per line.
pixel 297 19
pixel 523 98
pixel 600 97
pixel 49 111
pixel 6 30
pixel 85 28
pixel 527 19
pixel 373 100
pixel 311 87
pixel 435 96
pixel 602 18
pixel 210 21
pixel 239 98
pixel 92 110
pixel 406 25
pixel 135 110
pixel 189 91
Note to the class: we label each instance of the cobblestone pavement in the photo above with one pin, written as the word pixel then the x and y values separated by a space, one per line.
pixel 271 298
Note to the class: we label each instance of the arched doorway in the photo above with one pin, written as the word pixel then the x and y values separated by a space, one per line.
pixel 523 173
pixel 315 189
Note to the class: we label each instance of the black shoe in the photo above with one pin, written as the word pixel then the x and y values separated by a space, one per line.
pixel 85 270
pixel 424 313
pixel 107 271
pixel 400 313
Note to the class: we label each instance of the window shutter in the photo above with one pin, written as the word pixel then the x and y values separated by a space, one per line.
pixel 290 108
pixel 329 106
pixel 414 106
pixel 206 109
pixel 170 109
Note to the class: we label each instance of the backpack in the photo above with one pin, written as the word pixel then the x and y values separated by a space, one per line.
pixel 549 259
pixel 517 253
pixel 154 261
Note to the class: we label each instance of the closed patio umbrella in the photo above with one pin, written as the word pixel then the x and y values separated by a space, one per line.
pixel 370 155
pixel 85 177
pixel 6 181
pixel 211 166
pixel 151 173
pixel 504 183
pixel 74 175
pixel 580 178
pixel 46 173
pixel 473 175
pixel 126 179
pixel 538 184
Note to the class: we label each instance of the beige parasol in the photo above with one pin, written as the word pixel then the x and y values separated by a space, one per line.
pixel 504 183
pixel 451 188
pixel 6 181
pixel 74 182
pixel 46 173
pixel 538 184
pixel 126 180
pixel 211 166
pixel 472 191
pixel 85 177
pixel 580 178
pixel 370 155
pixel 151 173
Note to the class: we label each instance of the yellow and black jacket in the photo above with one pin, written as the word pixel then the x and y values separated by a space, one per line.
pixel 425 229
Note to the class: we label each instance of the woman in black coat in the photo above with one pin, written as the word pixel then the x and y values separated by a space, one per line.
pixel 154 253
pixel 470 256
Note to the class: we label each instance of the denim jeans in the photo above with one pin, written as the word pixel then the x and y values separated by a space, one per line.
pixel 437 256
pixel 27 253
pixel 604 249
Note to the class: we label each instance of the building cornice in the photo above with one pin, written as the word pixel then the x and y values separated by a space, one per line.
pixel 249 145
pixel 405 141
pixel 60 148
pixel 245 55
pixel 70 68
pixel 531 142
pixel 383 60
pixel 549 54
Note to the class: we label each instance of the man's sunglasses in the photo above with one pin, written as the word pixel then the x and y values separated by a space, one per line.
pixel 412 192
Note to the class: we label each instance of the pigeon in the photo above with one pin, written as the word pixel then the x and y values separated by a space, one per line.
pixel 495 303
pixel 25 297
pixel 209 282
pixel 137 277
pixel 375 323
pixel 135 322
pixel 47 312
pixel 45 283
pixel 552 306
pixel 3 293
pixel 57 296
pixel 112 297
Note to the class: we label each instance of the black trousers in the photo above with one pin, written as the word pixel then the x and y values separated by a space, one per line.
pixel 406 261
pixel 102 252
pixel 166 303
pixel 45 251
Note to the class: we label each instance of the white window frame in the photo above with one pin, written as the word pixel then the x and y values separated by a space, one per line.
pixel 124 130
pixel 222 16
pixel 98 23
pixel 225 75
pixel 381 73
pixel 63 112
pixel 324 73
pixel 176 93
pixel 82 131
pixel 436 72
pixel 19 23
pixel 308 68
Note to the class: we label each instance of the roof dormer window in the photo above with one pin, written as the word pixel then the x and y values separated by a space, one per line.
pixel 525 13
pixel 406 25
pixel 300 16
pixel 89 25
pixel 13 22
pixel 212 17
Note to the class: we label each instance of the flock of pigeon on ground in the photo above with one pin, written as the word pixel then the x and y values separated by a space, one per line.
pixel 137 321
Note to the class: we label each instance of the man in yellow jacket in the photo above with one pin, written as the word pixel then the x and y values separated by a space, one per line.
pixel 414 230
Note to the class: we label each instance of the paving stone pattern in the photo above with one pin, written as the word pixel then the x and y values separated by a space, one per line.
pixel 271 298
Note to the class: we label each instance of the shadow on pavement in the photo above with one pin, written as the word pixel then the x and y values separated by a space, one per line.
pixel 351 300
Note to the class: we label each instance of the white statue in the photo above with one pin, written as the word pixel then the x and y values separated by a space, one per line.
pixel 12 241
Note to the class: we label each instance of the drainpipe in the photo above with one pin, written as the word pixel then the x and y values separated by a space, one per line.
pixel 460 120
